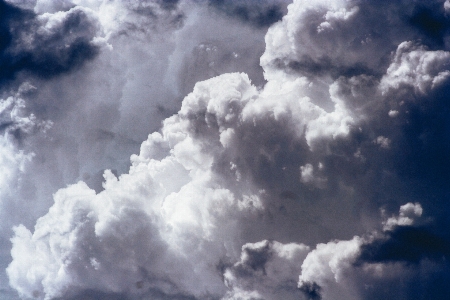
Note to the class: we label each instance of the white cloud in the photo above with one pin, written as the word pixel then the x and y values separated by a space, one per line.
pixel 417 68
pixel 393 113
pixel 332 17
pixel 328 266
pixel 408 215
pixel 179 203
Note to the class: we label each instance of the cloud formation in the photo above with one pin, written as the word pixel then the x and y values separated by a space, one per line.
pixel 326 179
pixel 45 45
pixel 101 107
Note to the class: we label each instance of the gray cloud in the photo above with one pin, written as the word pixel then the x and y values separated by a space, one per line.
pixel 373 265
pixel 45 46
pixel 258 14
pixel 286 182
pixel 337 40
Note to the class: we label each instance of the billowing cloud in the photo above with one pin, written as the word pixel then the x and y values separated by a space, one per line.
pixel 325 179
pixel 100 106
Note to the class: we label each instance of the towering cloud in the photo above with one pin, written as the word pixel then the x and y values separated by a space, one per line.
pixel 326 179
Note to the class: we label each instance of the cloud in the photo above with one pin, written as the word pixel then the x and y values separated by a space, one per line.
pixel 103 106
pixel 417 68
pixel 16 125
pixel 408 215
pixel 264 15
pixel 266 270
pixel 325 38
pixel 369 266
pixel 252 187
pixel 46 45
pixel 135 43
pixel 324 270
pixel 106 228
pixel 196 142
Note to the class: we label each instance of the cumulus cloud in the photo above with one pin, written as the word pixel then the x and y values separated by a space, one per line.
pixel 104 101
pixel 417 68
pixel 324 270
pixel 252 187
pixel 335 38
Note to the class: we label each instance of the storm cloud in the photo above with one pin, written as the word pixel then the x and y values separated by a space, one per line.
pixel 319 171
pixel 45 46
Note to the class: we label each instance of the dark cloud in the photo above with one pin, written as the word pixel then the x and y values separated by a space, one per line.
pixel 255 259
pixel 265 271
pixel 168 4
pixel 431 19
pixel 161 15
pixel 322 66
pixel 406 244
pixel 26 44
pixel 94 295
pixel 311 290
pixel 153 294
pixel 256 13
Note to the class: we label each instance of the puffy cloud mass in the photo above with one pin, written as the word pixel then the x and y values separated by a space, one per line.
pixel 320 174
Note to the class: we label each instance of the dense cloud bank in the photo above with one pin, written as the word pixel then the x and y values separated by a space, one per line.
pixel 326 179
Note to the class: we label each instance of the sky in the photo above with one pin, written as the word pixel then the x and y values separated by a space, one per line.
pixel 224 149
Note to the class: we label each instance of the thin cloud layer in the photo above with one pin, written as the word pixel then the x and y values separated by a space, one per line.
pixel 327 181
